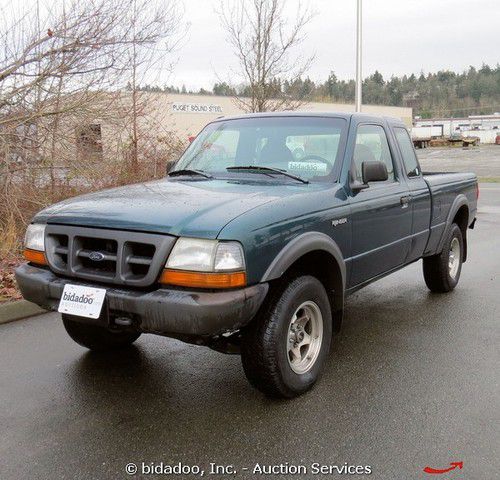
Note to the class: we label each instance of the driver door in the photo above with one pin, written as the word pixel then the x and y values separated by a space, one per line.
pixel 381 219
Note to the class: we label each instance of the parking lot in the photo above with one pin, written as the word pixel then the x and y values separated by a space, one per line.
pixel 412 381
pixel 483 160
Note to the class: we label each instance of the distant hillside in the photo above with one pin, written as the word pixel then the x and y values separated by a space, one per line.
pixel 445 93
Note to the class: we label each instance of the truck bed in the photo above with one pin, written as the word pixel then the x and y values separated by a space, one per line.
pixel 448 189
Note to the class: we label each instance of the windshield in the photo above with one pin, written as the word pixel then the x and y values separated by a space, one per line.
pixel 306 147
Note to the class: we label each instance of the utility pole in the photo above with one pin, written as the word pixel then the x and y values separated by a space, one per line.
pixel 359 80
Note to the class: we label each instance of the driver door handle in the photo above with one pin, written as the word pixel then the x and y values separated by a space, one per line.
pixel 405 201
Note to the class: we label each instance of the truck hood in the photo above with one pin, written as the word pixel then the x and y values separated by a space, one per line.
pixel 190 208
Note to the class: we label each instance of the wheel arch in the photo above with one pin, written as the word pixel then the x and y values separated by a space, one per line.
pixel 317 254
pixel 459 213
pixel 461 218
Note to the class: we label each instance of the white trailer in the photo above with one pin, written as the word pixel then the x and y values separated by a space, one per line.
pixel 422 135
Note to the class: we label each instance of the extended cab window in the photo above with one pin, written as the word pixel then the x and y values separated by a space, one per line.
pixel 409 158
pixel 307 147
pixel 372 146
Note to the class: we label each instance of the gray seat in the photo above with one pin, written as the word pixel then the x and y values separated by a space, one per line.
pixel 362 153
pixel 276 154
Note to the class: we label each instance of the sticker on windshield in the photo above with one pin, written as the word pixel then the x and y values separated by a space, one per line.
pixel 312 167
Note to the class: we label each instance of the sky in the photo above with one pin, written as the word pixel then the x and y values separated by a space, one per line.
pixel 399 37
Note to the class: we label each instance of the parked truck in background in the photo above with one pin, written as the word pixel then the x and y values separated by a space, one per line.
pixel 246 248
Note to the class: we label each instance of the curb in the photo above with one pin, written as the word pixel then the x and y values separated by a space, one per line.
pixel 18 310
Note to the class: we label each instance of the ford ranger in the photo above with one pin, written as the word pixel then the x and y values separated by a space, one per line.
pixel 249 247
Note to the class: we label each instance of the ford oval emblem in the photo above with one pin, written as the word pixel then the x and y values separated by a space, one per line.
pixel 96 256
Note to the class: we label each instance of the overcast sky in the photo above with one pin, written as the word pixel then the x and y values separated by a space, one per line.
pixel 399 36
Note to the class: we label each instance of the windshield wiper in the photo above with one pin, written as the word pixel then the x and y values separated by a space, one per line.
pixel 189 171
pixel 258 169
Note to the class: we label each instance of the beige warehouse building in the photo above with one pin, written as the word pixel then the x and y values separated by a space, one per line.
pixel 188 114
pixel 165 118
pixel 97 144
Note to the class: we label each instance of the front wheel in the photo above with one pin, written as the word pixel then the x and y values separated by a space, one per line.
pixel 284 350
pixel 97 338
pixel 442 271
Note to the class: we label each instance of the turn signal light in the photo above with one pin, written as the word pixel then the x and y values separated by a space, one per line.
pixel 35 256
pixel 183 278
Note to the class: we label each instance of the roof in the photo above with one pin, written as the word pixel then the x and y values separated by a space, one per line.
pixel 302 113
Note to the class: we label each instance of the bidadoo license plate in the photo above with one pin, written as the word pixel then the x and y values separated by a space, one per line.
pixel 82 301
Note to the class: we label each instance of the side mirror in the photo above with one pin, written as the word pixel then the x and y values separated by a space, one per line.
pixel 374 172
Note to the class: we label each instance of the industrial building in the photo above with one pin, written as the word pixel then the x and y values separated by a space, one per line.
pixel 189 113
pixel 485 127
pixel 164 116
pixel 161 121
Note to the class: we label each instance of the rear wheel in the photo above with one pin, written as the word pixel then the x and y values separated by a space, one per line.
pixel 442 271
pixel 285 348
pixel 97 338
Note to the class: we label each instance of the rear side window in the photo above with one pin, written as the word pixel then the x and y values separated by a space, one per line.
pixel 409 158
pixel 371 146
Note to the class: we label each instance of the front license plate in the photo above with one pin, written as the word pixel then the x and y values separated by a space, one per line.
pixel 82 301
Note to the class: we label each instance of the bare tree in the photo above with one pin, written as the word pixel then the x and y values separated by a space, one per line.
pixel 64 66
pixel 263 40
pixel 146 56
pixel 62 63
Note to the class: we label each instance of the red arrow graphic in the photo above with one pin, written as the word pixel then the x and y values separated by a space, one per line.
pixel 454 465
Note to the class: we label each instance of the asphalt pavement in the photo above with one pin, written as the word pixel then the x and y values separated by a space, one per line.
pixel 483 160
pixel 412 381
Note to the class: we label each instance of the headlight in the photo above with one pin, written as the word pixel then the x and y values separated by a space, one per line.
pixel 229 257
pixel 203 263
pixel 34 239
pixel 34 244
pixel 201 255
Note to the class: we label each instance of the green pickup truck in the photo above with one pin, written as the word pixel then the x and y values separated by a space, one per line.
pixel 246 247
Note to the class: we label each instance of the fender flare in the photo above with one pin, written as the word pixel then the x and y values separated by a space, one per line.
pixel 458 203
pixel 300 246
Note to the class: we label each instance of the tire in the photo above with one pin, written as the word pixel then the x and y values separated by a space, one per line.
pixel 442 271
pixel 276 357
pixel 96 338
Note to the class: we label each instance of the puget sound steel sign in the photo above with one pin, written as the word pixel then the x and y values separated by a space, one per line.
pixel 179 107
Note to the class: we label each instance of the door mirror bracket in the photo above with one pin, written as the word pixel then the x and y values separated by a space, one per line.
pixel 357 186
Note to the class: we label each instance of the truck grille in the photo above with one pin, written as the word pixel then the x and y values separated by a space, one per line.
pixel 110 256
